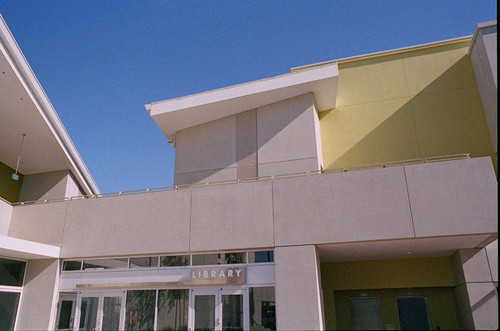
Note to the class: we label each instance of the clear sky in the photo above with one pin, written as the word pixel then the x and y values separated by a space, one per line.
pixel 100 61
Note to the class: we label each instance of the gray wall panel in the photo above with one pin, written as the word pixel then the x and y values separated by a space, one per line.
pixel 454 197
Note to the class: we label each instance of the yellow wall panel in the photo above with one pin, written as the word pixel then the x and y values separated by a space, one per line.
pixel 451 122
pixel 414 104
pixel 369 133
pixel 394 273
pixel 439 69
pixel 440 303
pixel 371 80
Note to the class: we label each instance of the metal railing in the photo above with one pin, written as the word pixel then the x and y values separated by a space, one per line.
pixel 254 179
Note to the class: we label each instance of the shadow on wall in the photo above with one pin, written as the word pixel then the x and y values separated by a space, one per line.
pixel 444 118
pixel 216 139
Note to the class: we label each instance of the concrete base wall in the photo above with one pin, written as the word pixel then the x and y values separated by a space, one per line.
pixel 476 297
pixel 298 291
pixel 38 298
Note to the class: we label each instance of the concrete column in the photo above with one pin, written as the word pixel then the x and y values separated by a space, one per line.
pixel 298 288
pixel 39 295
pixel 476 296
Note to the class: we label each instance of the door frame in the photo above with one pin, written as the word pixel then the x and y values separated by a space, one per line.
pixel 100 307
pixel 218 293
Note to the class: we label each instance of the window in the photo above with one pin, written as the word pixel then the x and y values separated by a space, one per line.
pixel 365 314
pixel 175 261
pixel 219 258
pixel 105 264
pixel 11 272
pixel 413 313
pixel 140 310
pixel 262 308
pixel 11 280
pixel 144 262
pixel 260 256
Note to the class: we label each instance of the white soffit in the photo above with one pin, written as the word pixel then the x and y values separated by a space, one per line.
pixel 398 248
pixel 184 112
pixel 25 108
pixel 24 249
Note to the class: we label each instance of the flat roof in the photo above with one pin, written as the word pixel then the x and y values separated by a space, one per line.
pixel 184 112
pixel 25 108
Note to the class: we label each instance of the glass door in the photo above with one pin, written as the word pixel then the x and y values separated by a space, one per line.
pixel 100 311
pixel 221 309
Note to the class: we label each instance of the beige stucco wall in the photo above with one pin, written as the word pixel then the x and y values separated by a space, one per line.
pixel 298 289
pixel 48 185
pixel 339 207
pixel 38 298
pixel 484 61
pixel 458 185
pixel 287 141
pixel 5 217
pixel 476 297
pixel 286 136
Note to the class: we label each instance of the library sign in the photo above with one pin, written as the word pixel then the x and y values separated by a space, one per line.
pixel 224 275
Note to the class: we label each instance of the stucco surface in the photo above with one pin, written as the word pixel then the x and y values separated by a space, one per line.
pixel 352 206
pixel 483 298
pixel 455 197
pixel 205 176
pixel 47 185
pixel 492 254
pixel 5 217
pixel 232 216
pixel 42 223
pixel 206 146
pixel 286 130
pixel 288 167
pixel 38 295
pixel 142 223
pixel 484 61
pixel 298 303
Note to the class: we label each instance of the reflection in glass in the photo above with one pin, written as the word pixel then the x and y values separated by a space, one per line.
pixel 144 262
pixel 105 264
pixel 222 258
pixel 88 314
pixel 175 261
pixel 111 313
pixel 232 312
pixel 66 311
pixel 72 265
pixel 173 306
pixel 261 256
pixel 204 312
pixel 413 313
pixel 140 310
pixel 262 308
pixel 11 272
pixel 8 309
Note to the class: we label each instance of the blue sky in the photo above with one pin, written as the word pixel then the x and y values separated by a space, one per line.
pixel 101 61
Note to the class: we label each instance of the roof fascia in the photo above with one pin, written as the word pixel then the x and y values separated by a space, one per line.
pixel 28 79
pixel 479 26
pixel 385 53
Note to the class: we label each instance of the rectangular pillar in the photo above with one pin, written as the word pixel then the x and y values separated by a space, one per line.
pixel 39 295
pixel 476 296
pixel 299 303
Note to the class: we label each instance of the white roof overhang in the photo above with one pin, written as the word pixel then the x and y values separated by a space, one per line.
pixel 25 108
pixel 184 112
pixel 28 250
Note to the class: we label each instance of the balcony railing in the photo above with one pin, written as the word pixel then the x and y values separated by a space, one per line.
pixel 254 179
